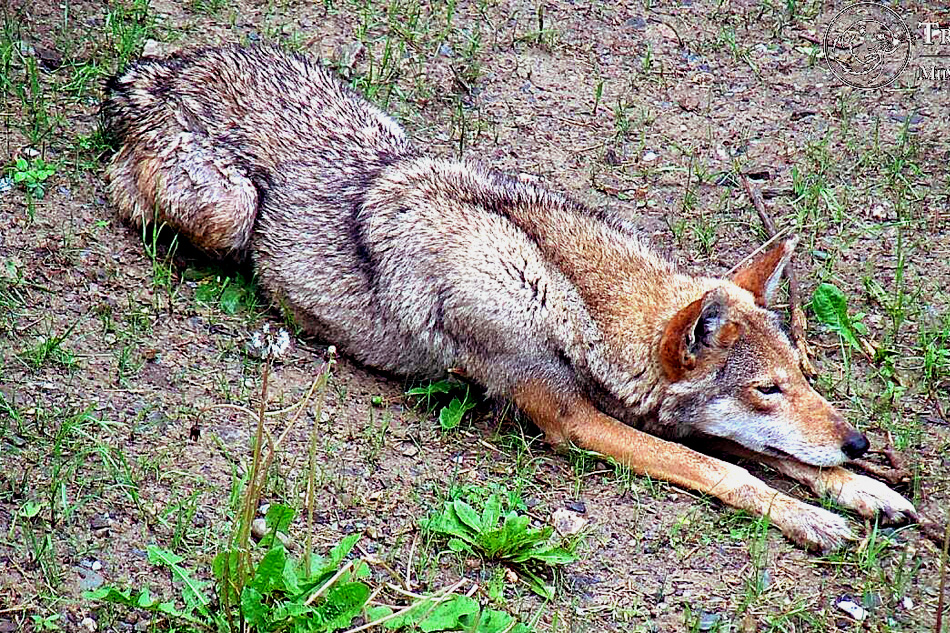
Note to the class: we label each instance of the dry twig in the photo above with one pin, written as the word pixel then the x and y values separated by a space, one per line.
pixel 798 322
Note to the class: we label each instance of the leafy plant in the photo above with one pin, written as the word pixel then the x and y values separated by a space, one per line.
pixel 231 294
pixel 503 537
pixel 32 174
pixel 281 593
pixel 454 613
pixel 450 415
pixel 830 306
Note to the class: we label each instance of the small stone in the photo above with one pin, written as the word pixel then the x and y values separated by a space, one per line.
pixel 89 624
pixel 855 611
pixel 649 157
pixel 89 580
pixel 409 449
pixel 576 506
pixel 907 603
pixel 567 522
pixel 259 530
pixel 154 48
pixel 708 620
pixel 100 522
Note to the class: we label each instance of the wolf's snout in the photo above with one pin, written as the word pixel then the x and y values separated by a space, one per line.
pixel 855 445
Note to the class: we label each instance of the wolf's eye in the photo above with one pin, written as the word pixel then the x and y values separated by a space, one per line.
pixel 769 389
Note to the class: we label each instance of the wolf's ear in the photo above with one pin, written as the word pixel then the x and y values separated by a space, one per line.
pixel 762 275
pixel 699 327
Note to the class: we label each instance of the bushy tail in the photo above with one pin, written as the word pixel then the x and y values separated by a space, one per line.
pixel 168 169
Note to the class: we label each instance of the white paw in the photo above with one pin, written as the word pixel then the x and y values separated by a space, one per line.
pixel 869 497
pixel 814 528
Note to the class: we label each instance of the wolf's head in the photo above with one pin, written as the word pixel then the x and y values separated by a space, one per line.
pixel 735 375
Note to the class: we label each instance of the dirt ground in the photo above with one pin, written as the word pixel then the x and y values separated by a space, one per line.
pixel 117 352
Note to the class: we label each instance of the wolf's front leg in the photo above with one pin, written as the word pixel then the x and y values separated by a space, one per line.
pixel 567 417
pixel 868 497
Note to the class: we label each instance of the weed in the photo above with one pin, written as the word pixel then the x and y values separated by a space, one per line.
pixel 31 175
pixel 50 350
pixel 502 537
pixel 830 306
pixel 230 293
pixel 127 27
pixel 451 414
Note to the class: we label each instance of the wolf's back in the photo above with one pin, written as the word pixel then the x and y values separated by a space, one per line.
pixel 206 137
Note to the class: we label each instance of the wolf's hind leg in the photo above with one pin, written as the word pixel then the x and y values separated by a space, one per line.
pixel 186 182
pixel 565 416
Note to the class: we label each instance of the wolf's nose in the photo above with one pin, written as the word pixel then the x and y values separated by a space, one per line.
pixel 855 445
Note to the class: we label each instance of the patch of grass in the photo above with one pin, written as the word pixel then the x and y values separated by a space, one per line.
pixel 50 350
pixel 127 26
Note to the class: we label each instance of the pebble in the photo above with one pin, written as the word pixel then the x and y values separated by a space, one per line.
pixel 89 580
pixel 576 506
pixel 567 522
pixel 907 603
pixel 649 157
pixel 707 621
pixel 853 609
pixel 100 522
pixel 89 624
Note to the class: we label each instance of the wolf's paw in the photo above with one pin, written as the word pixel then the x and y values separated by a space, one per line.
pixel 815 528
pixel 870 497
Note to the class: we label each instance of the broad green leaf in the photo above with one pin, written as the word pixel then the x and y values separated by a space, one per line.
pixel 278 519
pixel 343 549
pixel 448 615
pixel 225 569
pixel 111 594
pixel 467 515
pixel 230 299
pixel 458 545
pixel 830 306
pixel 441 386
pixel 451 416
pixel 343 603
pixel 493 621
pixel 253 609
pixel 269 574
pixel 551 556
pixel 377 613
pixel 447 522
pixel 491 512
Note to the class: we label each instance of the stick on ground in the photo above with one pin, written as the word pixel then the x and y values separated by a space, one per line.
pixel 798 323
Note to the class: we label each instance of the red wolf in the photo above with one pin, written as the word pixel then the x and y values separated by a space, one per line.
pixel 414 265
